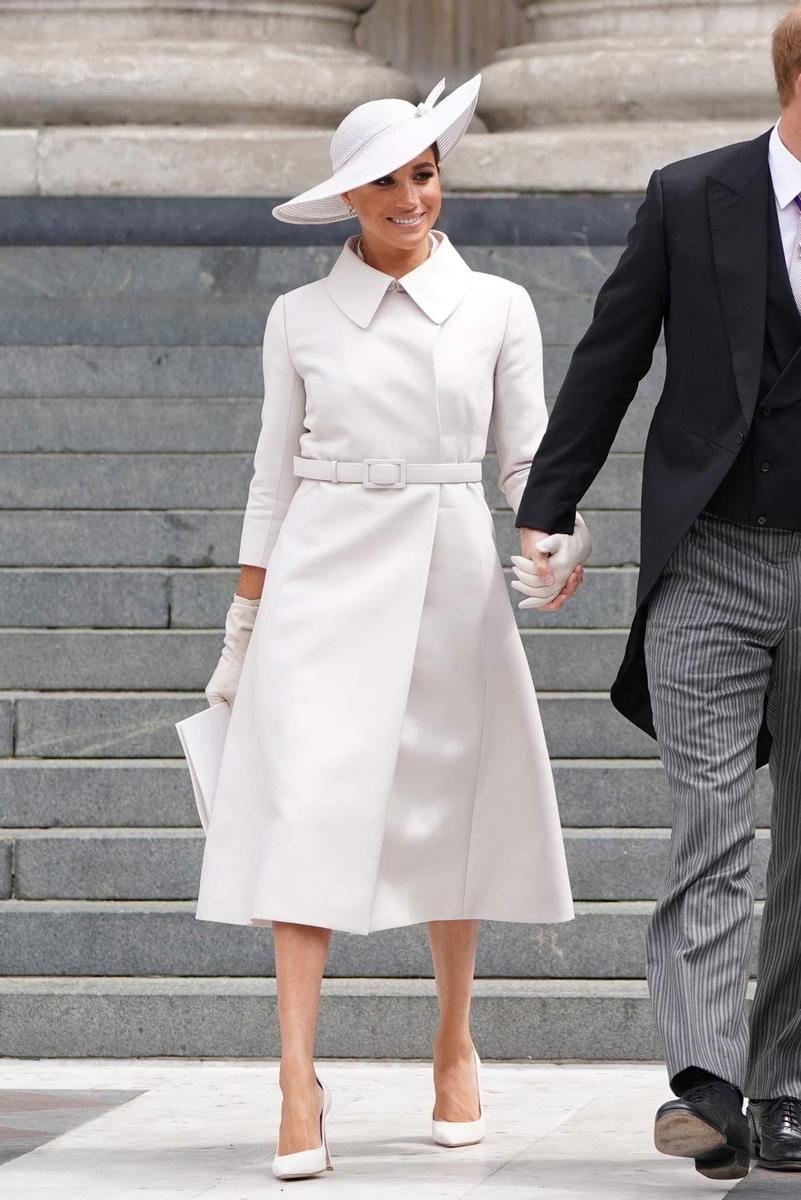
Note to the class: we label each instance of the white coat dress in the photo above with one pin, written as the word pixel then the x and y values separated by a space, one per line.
pixel 385 762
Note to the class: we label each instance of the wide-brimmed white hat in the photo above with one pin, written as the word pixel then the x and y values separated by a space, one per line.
pixel 377 138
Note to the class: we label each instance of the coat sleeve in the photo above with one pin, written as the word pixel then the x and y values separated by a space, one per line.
pixel 607 365
pixel 519 415
pixel 273 483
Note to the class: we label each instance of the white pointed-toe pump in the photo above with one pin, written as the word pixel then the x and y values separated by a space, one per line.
pixel 462 1133
pixel 305 1163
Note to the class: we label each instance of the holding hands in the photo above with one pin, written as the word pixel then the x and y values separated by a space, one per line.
pixel 554 570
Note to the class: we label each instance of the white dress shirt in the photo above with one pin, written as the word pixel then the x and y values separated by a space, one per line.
pixel 785 173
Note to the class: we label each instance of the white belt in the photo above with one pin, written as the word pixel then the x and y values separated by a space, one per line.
pixel 386 472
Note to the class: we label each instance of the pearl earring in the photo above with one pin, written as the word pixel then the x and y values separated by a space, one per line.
pixel 351 211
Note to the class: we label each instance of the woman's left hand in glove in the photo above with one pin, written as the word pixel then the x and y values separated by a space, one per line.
pixel 239 622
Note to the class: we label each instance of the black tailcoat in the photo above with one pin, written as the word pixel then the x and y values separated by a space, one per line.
pixel 696 261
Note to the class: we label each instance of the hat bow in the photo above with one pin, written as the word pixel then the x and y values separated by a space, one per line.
pixel 426 105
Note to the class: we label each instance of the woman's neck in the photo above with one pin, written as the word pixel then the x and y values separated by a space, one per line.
pixel 395 263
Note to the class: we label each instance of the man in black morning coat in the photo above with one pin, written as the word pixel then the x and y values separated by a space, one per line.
pixel 712 667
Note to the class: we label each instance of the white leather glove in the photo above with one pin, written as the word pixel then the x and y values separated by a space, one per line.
pixel 239 622
pixel 566 551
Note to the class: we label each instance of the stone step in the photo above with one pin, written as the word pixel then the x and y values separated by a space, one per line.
pixel 111 272
pixel 135 725
pixel 215 481
pixel 143 363
pixel 236 320
pixel 155 598
pixel 157 792
pixel 98 372
pixel 6 726
pixel 545 1019
pixel 6 866
pixel 187 372
pixel 124 481
pixel 104 424
pixel 122 597
pixel 67 792
pixel 164 864
pixel 500 222
pixel 176 659
pixel 63 937
pixel 202 538
pixel 118 295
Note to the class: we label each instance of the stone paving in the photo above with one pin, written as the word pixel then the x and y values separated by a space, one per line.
pixel 169 1129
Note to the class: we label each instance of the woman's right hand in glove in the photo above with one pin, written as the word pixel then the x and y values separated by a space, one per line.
pixel 239 622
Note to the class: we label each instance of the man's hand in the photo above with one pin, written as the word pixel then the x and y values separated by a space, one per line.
pixel 543 573
pixel 574 582
pixel 541 560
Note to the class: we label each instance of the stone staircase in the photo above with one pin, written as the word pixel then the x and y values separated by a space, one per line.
pixel 130 392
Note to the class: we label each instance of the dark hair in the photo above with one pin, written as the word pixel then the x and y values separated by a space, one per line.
pixel 435 148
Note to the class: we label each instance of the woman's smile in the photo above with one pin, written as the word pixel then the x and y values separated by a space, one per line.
pixel 397 212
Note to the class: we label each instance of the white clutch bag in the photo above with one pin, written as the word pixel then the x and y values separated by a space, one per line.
pixel 202 739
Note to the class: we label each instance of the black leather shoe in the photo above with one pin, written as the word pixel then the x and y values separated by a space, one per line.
pixel 707 1123
pixel 776 1126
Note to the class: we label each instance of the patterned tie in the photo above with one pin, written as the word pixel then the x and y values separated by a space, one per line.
pixel 795 259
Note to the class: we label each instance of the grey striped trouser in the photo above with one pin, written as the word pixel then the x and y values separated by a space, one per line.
pixel 723 633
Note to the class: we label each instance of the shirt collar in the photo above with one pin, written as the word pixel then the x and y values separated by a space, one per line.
pixel 437 286
pixel 785 169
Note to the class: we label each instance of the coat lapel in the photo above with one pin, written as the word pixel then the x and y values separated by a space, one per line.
pixel 737 198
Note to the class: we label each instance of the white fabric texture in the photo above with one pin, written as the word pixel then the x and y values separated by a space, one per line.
pixel 385 762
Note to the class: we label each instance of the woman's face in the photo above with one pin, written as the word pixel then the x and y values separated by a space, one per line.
pixel 397 211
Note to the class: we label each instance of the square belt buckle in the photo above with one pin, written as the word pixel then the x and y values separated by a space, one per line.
pixel 400 463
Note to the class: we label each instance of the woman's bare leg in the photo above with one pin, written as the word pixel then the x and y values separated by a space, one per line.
pixel 453 952
pixel 300 955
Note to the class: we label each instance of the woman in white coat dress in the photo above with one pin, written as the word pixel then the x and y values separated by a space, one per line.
pixel 385 762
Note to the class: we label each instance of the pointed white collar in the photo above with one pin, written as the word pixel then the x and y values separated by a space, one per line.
pixel 785 169
pixel 437 286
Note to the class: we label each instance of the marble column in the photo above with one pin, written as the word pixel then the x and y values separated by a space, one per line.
pixel 604 91
pixel 178 97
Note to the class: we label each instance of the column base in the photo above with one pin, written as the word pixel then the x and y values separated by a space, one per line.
pixel 236 160
pixel 628 79
pixel 613 157
pixel 204 83
pixel 153 160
